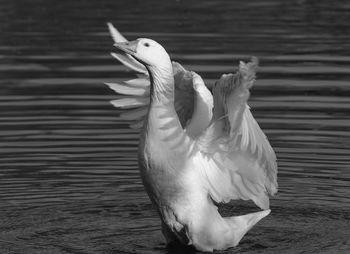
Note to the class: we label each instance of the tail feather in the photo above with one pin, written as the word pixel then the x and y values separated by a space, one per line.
pixel 218 233
pixel 240 225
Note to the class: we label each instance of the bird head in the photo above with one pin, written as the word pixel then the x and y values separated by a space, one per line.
pixel 146 51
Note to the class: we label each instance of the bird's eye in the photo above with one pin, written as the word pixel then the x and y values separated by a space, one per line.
pixel 146 44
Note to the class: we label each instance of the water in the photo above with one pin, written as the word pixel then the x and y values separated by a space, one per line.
pixel 69 181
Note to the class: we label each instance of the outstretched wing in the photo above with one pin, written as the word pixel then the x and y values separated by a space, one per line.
pixel 240 162
pixel 193 101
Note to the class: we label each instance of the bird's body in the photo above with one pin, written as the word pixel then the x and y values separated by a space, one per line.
pixel 188 161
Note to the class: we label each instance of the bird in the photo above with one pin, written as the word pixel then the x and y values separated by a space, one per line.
pixel 197 147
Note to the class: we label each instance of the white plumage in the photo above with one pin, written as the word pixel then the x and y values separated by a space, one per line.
pixel 195 147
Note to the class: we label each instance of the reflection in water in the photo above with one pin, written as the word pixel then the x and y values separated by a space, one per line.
pixel 68 168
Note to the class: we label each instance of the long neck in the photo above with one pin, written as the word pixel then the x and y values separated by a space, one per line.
pixel 162 82
pixel 163 128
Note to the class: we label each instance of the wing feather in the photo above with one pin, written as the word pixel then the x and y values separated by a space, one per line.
pixel 245 163
pixel 128 90
pixel 136 114
pixel 193 101
pixel 139 82
pixel 137 125
pixel 130 102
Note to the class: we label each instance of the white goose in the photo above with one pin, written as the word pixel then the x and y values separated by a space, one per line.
pixel 193 153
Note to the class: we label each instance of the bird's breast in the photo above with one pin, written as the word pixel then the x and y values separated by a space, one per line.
pixel 165 170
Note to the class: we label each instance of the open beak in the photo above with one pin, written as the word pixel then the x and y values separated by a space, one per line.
pixel 127 47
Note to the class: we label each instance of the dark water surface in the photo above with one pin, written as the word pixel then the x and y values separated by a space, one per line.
pixel 69 181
